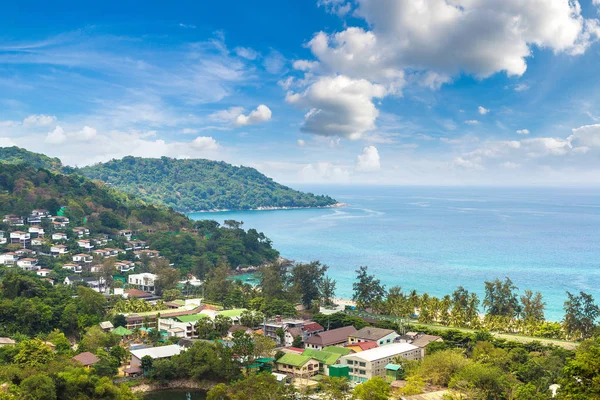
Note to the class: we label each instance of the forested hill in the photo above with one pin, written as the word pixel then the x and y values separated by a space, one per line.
pixel 17 155
pixel 197 184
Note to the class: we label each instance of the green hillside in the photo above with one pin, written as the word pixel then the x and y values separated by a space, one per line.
pixel 17 155
pixel 197 184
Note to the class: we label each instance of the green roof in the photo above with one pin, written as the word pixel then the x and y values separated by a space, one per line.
pixel 236 312
pixel 295 360
pixel 122 331
pixel 323 356
pixel 337 350
pixel 393 367
pixel 264 360
pixel 191 318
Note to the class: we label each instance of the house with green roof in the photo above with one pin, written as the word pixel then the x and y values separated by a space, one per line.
pixel 298 365
pixel 234 314
pixel 326 359
pixel 342 351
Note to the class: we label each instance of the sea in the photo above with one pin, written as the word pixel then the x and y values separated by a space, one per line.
pixel 434 239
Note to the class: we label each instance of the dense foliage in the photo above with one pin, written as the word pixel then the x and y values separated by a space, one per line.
pixel 17 155
pixel 197 184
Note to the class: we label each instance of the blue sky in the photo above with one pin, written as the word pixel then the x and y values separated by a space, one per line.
pixel 464 92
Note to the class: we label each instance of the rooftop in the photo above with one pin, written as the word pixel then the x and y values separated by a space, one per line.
pixel 384 351
pixel 333 336
pixel 372 333
pixel 158 352
pixel 86 358
pixel 296 360
pixel 337 350
pixel 364 345
pixel 191 318
pixel 236 312
pixel 323 356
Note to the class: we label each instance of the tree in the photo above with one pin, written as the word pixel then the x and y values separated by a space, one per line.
pixel 373 389
pixel 60 342
pixel 334 388
pixel 243 346
pixel 33 353
pixel 91 303
pixel 307 280
pixel 532 310
pixel 396 303
pixel 118 353
pixel 327 290
pixel 251 319
pixel 163 370
pixel 222 324
pixel 147 362
pixel 460 304
pixel 119 320
pixel 368 291
pixel 263 346
pixel 501 298
pixel 274 280
pixel 280 333
pixel 262 386
pixel 217 284
pixel 297 342
pixel 38 387
pixel 166 279
pixel 581 375
pixel 581 314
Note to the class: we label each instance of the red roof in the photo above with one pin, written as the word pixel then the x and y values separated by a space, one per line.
pixel 364 345
pixel 312 327
pixel 137 293
pixel 296 350
pixel 86 358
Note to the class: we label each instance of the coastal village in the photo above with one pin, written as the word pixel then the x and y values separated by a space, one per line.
pixel 303 351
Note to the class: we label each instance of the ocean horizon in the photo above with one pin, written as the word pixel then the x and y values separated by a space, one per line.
pixel 434 239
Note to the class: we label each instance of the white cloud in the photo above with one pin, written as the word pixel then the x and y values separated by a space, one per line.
pixel 305 65
pixel 510 165
pixel 226 116
pixel 338 106
pixel 39 120
pixel 482 110
pixel 85 134
pixel 261 114
pixel 521 87
pixel 204 143
pixel 247 53
pixel 301 143
pixel 57 136
pixel 523 132
pixel 587 135
pixel 324 172
pixel 471 122
pixel 187 26
pixel 338 7
pixel 6 142
pixel 369 160
pixel 275 62
pixel 189 131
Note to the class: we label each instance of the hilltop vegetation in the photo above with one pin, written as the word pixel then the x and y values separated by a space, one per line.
pixel 189 185
pixel 184 185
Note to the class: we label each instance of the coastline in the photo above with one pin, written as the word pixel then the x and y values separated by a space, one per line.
pixel 217 210
pixel 147 387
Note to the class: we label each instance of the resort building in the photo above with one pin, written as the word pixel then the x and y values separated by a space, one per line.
pixel 371 363
pixel 332 337
pixel 370 334
pixel 155 353
pixel 144 281
pixel 298 365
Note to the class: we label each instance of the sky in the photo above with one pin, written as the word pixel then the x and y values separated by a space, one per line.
pixel 403 92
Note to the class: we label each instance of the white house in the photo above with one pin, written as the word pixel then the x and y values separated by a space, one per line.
pixel 2 238
pixel 37 241
pixel 80 231
pixel 36 231
pixel 13 220
pixel 8 258
pixel 125 266
pixel 18 237
pixel 43 272
pixel 73 267
pixel 126 233
pixel 154 353
pixel 28 264
pixel 85 244
pixel 148 253
pixel 40 212
pixel 143 281
pixel 83 258
pixel 59 236
pixel 371 363
pixel 58 249
pixel 93 283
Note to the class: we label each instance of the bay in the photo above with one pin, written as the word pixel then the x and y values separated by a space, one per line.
pixel 435 239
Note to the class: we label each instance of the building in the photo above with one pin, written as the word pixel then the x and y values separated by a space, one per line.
pixel 39 212
pixel 144 281
pixel 270 328
pixel 371 334
pixel 85 244
pixel 9 258
pixel 298 365
pixel 3 239
pixel 13 220
pixel 155 353
pixel 147 253
pixel 58 250
pixel 4 341
pixel 73 267
pixel 36 231
pixel 83 258
pixel 22 238
pixel 86 359
pixel 80 231
pixel 420 339
pixel 333 337
pixel 28 264
pixel 43 272
pixel 125 266
pixel 371 363
pixel 37 241
pixel 126 233
pixel 311 328
pixel 59 236
pixel 361 346
pixel 93 283
pixel 325 359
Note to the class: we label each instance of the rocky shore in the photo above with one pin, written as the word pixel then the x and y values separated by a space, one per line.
pixel 336 205
pixel 174 384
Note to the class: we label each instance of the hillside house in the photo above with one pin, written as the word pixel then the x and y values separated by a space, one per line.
pixel 21 238
pixel 3 239
pixel 155 353
pixel 83 258
pixel 59 236
pixel 13 220
pixel 144 281
pixel 9 258
pixel 126 233
pixel 147 253
pixel 39 212
pixel 28 264
pixel 73 267
pixel 58 250
pixel 125 266
pixel 333 337
pixel 43 272
pixel 298 365
pixel 85 244
pixel 136 245
pixel 37 241
pixel 93 283
pixel 80 231
pixel 36 231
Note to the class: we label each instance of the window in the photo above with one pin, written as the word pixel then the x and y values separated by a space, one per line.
pixel 362 372
pixel 362 364
pixel 389 341
pixel 350 362
pixel 381 342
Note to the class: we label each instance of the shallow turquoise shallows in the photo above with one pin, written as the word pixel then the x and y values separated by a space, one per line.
pixel 434 239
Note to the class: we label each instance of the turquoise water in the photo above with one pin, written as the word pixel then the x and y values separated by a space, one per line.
pixel 434 239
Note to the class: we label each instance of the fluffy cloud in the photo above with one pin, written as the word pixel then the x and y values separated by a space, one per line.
pixel 57 136
pixel 324 172
pixel 339 106
pixel 369 160
pixel 338 7
pixel 261 114
pixel 86 133
pixel 523 132
pixel 587 135
pixel 247 53
pixel 204 143
pixel 39 120
pixel 472 122
pixel 301 143
pixel 482 110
